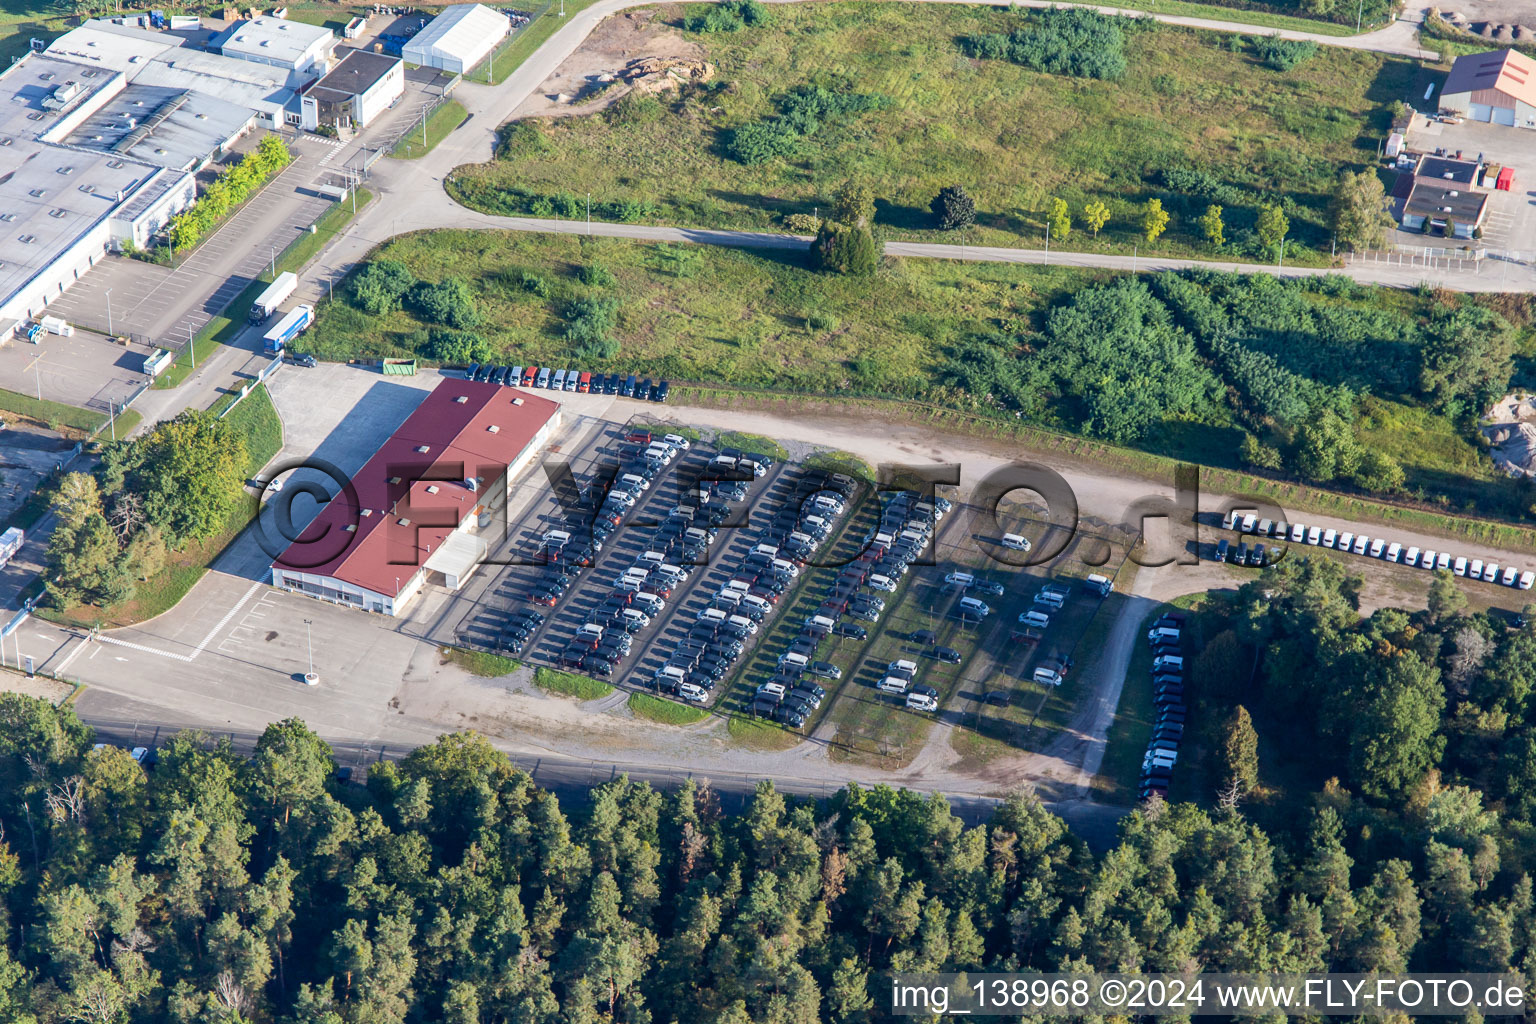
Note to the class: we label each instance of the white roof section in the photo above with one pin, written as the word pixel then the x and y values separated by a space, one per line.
pixel 464 31
pixel 274 39
pixel 100 43
pixel 161 126
pixel 459 554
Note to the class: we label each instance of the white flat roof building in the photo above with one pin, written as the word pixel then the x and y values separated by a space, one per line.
pixel 277 42
pixel 357 90
pixel 62 206
pixel 458 39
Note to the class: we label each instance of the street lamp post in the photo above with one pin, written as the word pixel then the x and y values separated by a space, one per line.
pixel 109 312
pixel 589 214
pixel 310 678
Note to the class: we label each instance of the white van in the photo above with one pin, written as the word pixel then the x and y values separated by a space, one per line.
pixel 638 618
pixel 1443 560
pixel 1298 532
pixel 902 665
pixel 786 567
pixel 556 539
pixel 766 549
pixel 756 603
pixel 1346 541
pixel 713 616
pixel 1491 572
pixel 960 579
pixel 1315 535
pixel 885 583
pixel 1250 522
pixel 1100 585
pixel 1329 536
pixel 1394 551
pixel 921 702
pixel 971 606
pixel 820 622
pixel 1475 571
pixel 890 684
pixel 790 659
pixel 1460 566
pixel 693 692
pixel 1168 663
pixel 1160 633
pixel 1412 557
pixel 1527 578
pixel 672 672
pixel 651 559
pixel 1034 620
pixel 1361 543
pixel 817 525
pixel 1051 599
pixel 829 504
pixel 774 690
pixel 1014 542
pixel 743 623
pixel 1510 576
pixel 1047 675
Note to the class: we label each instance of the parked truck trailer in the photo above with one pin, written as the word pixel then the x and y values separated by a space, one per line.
pixel 276 293
pixel 288 328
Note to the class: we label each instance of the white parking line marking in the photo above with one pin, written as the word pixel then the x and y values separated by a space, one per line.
pixel 201 644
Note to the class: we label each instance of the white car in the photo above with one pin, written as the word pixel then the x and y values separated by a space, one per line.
pixel 677 441
pixel 1459 567
pixel 885 583
pixel 1298 532
pixel 1443 560
pixel 1360 544
pixel 1412 557
pixel 1526 579
pixel 1346 541
pixel 1511 575
pixel 1428 559
pixel 1315 535
pixel 1376 547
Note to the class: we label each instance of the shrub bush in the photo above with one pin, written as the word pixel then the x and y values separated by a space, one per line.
pixel 447 302
pixel 447 346
pixel 379 286
pixel 595 274
pixel 953 208
pixel 802 112
pixel 532 282
pixel 845 249
pixel 1284 54
pixel 589 324
pixel 1070 41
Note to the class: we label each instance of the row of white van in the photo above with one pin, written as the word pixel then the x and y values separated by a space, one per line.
pixel 1379 547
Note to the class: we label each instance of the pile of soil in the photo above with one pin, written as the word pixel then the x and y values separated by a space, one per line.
pixel 1510 426
pixel 1498 32
pixel 660 74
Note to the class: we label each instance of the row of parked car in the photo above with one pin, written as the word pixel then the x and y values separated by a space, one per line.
pixel 640 593
pixel 1360 544
pixel 580 381
pixel 735 612
pixel 796 533
pixel 1166 640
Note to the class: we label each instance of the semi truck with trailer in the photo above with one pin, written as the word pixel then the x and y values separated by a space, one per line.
pixel 276 293
pixel 289 327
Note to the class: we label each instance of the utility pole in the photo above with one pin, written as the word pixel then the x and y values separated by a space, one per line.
pixel 1359 15
pixel 310 678
pixel 589 214
pixel 109 312
pixel 112 417
pixel 1133 258
pixel 38 370
pixel 1047 243
pixel 274 261
pixel 191 347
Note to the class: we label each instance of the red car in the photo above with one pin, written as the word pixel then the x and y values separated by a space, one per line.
pixel 584 383
pixel 638 437
pixel 530 374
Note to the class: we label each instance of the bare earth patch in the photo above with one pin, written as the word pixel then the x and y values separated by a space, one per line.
pixel 636 50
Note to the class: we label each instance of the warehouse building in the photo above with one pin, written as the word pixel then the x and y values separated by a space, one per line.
pixel 303 51
pixel 1498 86
pixel 1444 198
pixel 458 39
pixel 63 206
pixel 413 515
pixel 357 90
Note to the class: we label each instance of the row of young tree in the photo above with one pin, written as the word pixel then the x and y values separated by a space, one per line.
pixel 1288 361
pixel 233 185
pixel 175 484
pixel 218 889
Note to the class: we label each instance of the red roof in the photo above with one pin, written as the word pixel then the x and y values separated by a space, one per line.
pixel 412 493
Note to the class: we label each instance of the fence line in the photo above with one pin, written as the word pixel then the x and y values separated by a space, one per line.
pixel 415 126
pixel 249 386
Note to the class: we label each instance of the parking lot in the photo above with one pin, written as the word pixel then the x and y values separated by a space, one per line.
pixel 85 370
pixel 797 600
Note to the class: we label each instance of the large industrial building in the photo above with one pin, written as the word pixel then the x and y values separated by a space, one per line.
pixel 101 134
pixel 298 49
pixel 1498 87
pixel 414 513
pixel 458 39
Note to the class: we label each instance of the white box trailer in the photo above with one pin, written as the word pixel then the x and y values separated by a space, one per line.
pixel 56 325
pixel 276 293
pixel 10 543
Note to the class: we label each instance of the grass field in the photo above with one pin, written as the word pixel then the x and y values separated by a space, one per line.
pixel 735 316
pixel 1014 137
pixel 440 123
pixel 667 712
pixel 480 663
pixel 569 684
pixel 55 415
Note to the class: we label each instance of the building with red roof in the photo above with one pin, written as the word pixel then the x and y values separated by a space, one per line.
pixel 414 513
